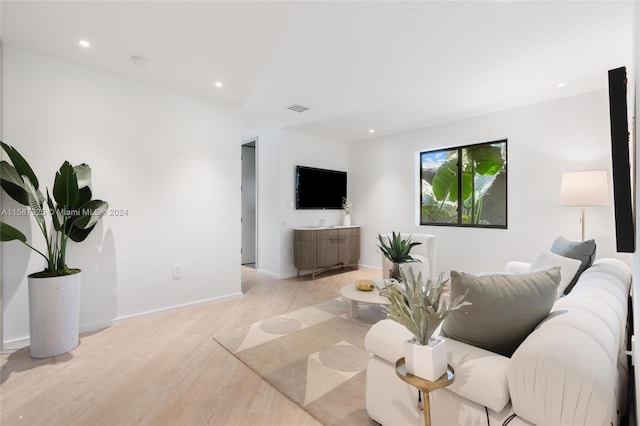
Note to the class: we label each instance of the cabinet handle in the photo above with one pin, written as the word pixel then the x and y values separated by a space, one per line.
pixel 337 238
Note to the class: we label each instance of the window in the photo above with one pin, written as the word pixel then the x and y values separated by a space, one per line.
pixel 471 192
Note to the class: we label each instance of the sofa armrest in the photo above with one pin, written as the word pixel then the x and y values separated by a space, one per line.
pixel 481 375
pixel 386 340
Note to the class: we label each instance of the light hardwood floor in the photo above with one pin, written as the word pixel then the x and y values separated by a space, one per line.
pixel 167 369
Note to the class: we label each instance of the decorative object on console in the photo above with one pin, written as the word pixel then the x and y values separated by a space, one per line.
pixel 347 206
pixel 585 188
pixel 505 308
pixel 54 293
pixel 397 250
pixel 421 308
pixel 584 251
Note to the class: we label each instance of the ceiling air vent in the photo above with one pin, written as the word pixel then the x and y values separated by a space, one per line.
pixel 297 108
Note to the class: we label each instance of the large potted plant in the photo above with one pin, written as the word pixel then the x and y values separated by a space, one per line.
pixel 397 250
pixel 421 307
pixel 54 293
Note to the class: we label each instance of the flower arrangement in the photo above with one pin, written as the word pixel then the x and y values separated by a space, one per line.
pixel 419 306
pixel 347 205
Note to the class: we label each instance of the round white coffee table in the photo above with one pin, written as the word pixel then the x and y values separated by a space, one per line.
pixel 358 296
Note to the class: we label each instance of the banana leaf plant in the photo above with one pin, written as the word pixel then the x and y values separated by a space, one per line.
pixel 73 213
pixel 480 166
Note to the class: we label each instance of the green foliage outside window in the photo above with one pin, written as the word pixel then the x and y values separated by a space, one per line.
pixel 470 192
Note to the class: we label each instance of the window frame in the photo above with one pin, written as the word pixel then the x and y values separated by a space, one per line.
pixel 460 150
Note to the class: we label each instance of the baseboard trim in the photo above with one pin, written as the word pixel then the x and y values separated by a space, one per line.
pixel 269 274
pixel 13 345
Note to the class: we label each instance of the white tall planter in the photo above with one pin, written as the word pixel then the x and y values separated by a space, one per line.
pixel 426 361
pixel 54 314
pixel 346 220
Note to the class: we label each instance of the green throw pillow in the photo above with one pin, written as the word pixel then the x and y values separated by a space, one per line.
pixel 584 251
pixel 505 308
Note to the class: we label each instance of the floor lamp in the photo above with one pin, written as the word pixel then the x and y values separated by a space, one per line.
pixel 585 188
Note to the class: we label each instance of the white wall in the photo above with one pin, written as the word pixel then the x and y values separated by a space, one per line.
pixel 170 160
pixel 544 140
pixel 279 153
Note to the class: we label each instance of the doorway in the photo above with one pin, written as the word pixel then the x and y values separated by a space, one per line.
pixel 248 209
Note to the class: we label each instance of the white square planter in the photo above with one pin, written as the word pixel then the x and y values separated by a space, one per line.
pixel 426 361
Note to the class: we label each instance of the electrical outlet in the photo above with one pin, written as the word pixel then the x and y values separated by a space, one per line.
pixel 176 272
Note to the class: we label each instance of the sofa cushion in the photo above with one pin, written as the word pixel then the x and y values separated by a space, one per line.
pixel 584 251
pixel 505 308
pixel 568 267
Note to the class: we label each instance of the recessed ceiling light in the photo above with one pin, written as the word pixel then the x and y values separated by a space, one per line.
pixel 218 84
pixel 141 61
pixel 84 43
pixel 371 131
pixel 561 84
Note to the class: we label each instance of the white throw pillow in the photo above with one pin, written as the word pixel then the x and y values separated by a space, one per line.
pixel 568 267
pixel 417 267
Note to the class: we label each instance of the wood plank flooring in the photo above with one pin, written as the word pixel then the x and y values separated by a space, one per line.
pixel 167 369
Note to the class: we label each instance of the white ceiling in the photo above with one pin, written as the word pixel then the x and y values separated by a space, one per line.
pixel 389 66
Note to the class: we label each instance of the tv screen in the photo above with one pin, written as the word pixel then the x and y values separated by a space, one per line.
pixel 320 188
pixel 622 196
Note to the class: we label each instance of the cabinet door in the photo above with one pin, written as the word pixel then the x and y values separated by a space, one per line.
pixel 349 245
pixel 304 249
pixel 327 248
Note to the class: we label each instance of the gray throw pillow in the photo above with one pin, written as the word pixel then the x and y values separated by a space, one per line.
pixel 584 251
pixel 505 308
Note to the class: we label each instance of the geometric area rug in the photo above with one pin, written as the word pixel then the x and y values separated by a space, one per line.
pixel 315 356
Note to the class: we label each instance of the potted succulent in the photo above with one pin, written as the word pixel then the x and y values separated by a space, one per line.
pixel 54 293
pixel 421 308
pixel 397 251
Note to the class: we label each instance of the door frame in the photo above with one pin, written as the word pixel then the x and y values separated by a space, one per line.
pixel 252 142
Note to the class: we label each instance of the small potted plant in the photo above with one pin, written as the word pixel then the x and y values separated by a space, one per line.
pixel 421 308
pixel 54 293
pixel 397 251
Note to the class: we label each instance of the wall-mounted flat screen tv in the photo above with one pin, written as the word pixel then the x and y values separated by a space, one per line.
pixel 622 172
pixel 320 188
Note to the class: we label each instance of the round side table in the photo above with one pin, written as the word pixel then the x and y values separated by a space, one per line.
pixel 425 385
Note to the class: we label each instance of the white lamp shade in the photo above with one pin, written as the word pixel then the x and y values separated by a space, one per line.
pixel 584 188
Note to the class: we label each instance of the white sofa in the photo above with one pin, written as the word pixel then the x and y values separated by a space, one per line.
pixel 571 370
